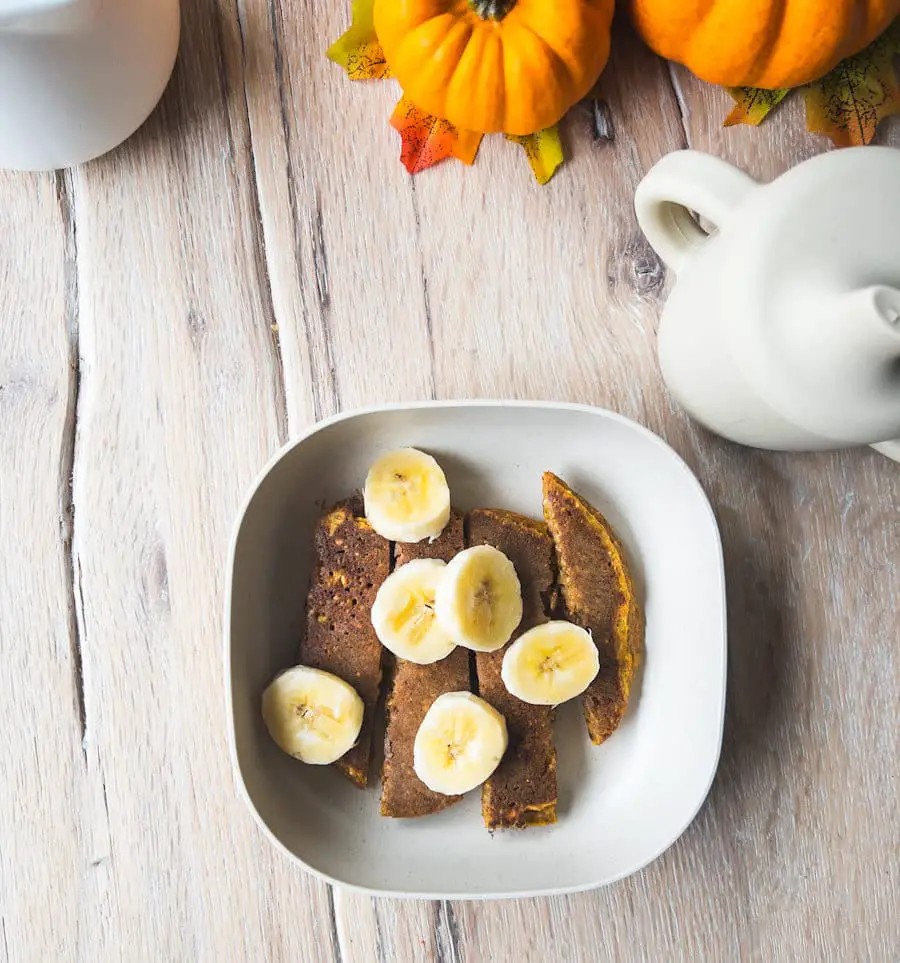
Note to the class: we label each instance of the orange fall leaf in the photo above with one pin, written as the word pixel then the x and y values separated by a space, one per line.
pixel 426 140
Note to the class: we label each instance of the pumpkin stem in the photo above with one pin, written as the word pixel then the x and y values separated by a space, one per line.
pixel 492 9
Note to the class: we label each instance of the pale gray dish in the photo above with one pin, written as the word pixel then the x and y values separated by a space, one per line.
pixel 620 804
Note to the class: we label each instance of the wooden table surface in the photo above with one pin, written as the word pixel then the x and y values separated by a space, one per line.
pixel 256 258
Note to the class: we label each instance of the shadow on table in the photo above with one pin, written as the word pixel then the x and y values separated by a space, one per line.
pixel 761 627
pixel 205 95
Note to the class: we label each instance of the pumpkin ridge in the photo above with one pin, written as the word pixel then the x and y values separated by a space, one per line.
pixel 554 62
pixel 770 44
pixel 705 37
pixel 705 14
pixel 457 37
pixel 597 24
pixel 826 40
pixel 763 58
pixel 501 86
pixel 482 45
pixel 860 26
pixel 557 58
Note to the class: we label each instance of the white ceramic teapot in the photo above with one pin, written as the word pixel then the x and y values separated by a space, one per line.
pixel 79 76
pixel 783 328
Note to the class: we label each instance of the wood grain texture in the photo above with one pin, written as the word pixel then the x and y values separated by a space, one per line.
pixel 256 258
pixel 50 816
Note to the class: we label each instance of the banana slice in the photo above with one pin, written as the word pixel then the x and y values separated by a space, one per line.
pixel 313 715
pixel 403 613
pixel 550 664
pixel 459 744
pixel 479 599
pixel 406 496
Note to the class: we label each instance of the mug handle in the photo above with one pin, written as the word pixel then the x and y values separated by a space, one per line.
pixel 681 182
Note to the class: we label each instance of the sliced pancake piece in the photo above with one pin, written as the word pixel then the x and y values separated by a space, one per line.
pixel 351 563
pixel 413 689
pixel 598 594
pixel 522 790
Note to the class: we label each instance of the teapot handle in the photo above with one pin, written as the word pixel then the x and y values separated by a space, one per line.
pixel 682 182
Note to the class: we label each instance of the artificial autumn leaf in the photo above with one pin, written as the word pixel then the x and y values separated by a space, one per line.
pixel 426 140
pixel 752 104
pixel 358 50
pixel 543 150
pixel 847 104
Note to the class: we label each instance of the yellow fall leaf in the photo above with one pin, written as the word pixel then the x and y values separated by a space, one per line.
pixel 847 104
pixel 862 90
pixel 544 152
pixel 358 49
pixel 753 104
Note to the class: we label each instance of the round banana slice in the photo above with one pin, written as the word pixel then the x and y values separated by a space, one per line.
pixel 459 744
pixel 406 496
pixel 479 599
pixel 403 613
pixel 550 664
pixel 312 715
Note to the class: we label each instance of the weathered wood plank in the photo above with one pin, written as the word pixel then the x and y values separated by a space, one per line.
pixel 338 216
pixel 50 826
pixel 256 258
pixel 180 403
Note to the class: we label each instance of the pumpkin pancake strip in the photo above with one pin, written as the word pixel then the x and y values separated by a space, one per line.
pixel 522 790
pixel 413 689
pixel 352 561
pixel 598 594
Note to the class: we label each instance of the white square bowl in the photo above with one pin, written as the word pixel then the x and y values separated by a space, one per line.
pixel 620 804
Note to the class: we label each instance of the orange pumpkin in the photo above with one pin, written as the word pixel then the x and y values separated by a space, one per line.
pixel 761 43
pixel 495 65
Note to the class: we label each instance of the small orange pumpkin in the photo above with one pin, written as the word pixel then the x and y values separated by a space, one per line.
pixel 514 66
pixel 761 43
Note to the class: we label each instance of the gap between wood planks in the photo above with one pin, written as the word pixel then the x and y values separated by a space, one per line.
pixel 260 256
pixel 324 389
pixel 335 937
pixel 680 100
pixel 98 836
pixel 446 933
pixel 330 396
pixel 426 300
pixel 67 454
pixel 448 942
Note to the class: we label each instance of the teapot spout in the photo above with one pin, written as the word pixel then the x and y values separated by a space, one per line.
pixel 863 326
pixel 843 372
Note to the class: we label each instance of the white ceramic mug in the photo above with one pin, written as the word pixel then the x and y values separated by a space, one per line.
pixel 77 77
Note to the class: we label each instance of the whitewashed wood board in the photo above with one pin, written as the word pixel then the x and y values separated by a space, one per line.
pixel 256 258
